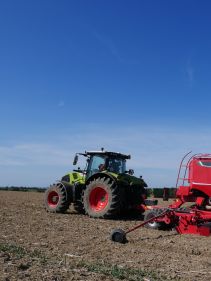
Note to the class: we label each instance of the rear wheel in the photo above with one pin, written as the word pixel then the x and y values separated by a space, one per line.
pixel 101 198
pixel 57 198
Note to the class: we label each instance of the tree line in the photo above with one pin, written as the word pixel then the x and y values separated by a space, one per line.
pixel 151 192
pixel 22 188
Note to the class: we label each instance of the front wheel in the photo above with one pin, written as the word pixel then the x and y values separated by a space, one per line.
pixel 57 198
pixel 101 198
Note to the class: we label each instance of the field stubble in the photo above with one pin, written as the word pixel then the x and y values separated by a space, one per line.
pixel 36 245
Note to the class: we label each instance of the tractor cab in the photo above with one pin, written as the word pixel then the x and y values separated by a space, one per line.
pixel 105 162
pixel 101 161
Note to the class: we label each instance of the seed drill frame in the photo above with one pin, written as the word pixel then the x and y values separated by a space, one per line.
pixel 193 186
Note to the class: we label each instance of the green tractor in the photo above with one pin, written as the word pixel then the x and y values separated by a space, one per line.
pixel 102 190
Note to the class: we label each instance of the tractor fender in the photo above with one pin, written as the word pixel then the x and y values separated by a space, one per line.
pixel 69 190
pixel 73 191
pixel 100 175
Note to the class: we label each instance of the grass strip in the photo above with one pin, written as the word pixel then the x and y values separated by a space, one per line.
pixel 122 273
pixel 20 252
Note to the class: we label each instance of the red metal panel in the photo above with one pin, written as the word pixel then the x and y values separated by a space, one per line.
pixel 200 174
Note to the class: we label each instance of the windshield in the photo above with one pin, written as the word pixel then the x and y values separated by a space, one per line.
pixel 100 163
pixel 117 166
pixel 95 165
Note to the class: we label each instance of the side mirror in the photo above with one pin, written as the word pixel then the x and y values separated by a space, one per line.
pixel 131 172
pixel 75 161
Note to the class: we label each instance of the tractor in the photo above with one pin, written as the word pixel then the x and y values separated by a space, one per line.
pixel 103 189
pixel 190 213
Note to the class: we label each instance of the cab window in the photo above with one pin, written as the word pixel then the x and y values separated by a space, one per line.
pixel 94 164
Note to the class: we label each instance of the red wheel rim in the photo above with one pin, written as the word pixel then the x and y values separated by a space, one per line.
pixel 53 199
pixel 98 199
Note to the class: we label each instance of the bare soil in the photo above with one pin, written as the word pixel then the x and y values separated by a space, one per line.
pixel 36 245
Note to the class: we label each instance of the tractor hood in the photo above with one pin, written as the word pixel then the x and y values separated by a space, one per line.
pixel 74 177
pixel 128 179
pixel 131 180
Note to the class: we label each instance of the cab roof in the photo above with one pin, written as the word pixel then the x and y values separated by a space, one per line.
pixel 106 153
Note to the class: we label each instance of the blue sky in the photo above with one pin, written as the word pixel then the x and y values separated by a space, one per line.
pixel 132 76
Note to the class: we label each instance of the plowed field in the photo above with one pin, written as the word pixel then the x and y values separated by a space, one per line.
pixel 36 245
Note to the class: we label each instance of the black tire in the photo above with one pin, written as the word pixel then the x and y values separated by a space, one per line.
pixel 102 198
pixel 57 198
pixel 154 225
pixel 118 235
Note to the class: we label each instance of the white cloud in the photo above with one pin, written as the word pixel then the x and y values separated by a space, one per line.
pixel 109 45
pixel 32 154
pixel 156 153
